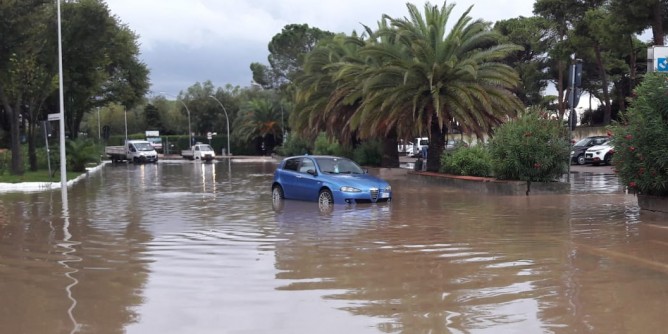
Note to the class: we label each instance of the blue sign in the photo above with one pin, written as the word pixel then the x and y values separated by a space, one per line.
pixel 662 65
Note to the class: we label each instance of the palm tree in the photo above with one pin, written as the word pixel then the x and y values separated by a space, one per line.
pixel 432 79
pixel 326 98
pixel 259 119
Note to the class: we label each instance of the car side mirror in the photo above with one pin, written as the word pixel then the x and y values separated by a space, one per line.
pixel 312 172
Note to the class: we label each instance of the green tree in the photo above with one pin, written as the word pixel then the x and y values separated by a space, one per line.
pixel 641 138
pixel 530 148
pixel 109 72
pixel 441 79
pixel 286 54
pixel 641 14
pixel 327 94
pixel 532 33
pixel 153 118
pixel 259 120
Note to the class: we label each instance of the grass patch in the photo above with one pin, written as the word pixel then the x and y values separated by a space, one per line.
pixel 37 176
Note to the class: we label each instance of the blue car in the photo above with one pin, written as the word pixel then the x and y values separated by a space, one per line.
pixel 328 180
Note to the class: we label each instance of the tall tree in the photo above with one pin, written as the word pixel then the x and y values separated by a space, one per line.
pixel 259 120
pixel 286 54
pixel 110 71
pixel 532 33
pixel 642 14
pixel 441 78
pixel 22 27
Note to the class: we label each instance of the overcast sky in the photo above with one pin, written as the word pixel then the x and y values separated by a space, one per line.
pixel 189 41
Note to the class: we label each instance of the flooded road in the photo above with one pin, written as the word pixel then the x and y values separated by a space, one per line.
pixel 183 247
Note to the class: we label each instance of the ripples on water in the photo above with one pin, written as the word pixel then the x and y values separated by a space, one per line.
pixel 199 248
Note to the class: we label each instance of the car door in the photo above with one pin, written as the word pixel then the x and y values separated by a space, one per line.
pixel 307 185
pixel 288 177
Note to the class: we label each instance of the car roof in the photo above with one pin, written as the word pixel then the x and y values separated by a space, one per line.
pixel 316 156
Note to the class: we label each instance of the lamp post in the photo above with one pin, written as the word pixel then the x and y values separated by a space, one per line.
pixel 190 134
pixel 99 130
pixel 228 124
pixel 63 156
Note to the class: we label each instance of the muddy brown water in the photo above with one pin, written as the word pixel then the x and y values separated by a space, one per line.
pixel 183 247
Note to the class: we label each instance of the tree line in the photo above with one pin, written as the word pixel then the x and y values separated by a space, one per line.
pixel 100 66
pixel 404 77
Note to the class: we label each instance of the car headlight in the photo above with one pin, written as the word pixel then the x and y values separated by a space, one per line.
pixel 572 152
pixel 347 189
pixel 388 188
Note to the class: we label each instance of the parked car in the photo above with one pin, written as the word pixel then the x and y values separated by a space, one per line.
pixel 405 147
pixel 578 150
pixel 600 154
pixel 328 180
pixel 419 145
pixel 452 144
pixel 156 142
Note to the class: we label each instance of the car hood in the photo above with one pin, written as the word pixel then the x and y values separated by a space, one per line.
pixel 356 180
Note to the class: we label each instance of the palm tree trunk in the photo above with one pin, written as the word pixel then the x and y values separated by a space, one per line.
pixel 436 146
pixel 390 158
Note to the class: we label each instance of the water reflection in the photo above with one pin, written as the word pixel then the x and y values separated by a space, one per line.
pixel 182 247
pixel 69 250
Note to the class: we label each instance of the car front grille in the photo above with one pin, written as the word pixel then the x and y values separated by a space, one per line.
pixel 374 193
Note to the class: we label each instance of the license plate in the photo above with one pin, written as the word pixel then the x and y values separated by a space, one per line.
pixel 384 195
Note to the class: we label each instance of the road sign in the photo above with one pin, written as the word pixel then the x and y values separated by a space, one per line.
pixel 662 65
pixel 54 117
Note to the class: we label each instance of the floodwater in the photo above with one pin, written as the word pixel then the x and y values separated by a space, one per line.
pixel 184 247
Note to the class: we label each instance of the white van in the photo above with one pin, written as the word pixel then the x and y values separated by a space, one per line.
pixel 419 144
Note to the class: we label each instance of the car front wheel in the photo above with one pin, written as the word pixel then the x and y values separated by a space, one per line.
pixel 608 159
pixel 325 198
pixel 581 159
pixel 277 193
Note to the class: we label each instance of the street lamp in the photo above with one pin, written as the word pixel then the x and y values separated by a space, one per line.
pixel 190 134
pixel 63 156
pixel 228 124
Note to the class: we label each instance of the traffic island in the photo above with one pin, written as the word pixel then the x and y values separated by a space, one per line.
pixel 492 186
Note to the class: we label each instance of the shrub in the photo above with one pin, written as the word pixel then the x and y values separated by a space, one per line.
pixel 325 146
pixel 369 153
pixel 530 148
pixel 641 138
pixel 294 145
pixel 80 152
pixel 474 161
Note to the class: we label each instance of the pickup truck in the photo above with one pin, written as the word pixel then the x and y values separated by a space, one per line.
pixel 137 151
pixel 199 151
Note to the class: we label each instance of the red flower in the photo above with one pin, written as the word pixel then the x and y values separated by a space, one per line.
pixel 609 133
pixel 632 184
pixel 536 165
pixel 629 137
pixel 631 148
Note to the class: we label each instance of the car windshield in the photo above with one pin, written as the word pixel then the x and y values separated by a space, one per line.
pixel 591 141
pixel 205 148
pixel 332 165
pixel 143 147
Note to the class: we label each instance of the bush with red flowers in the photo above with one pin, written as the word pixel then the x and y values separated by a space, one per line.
pixel 641 138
